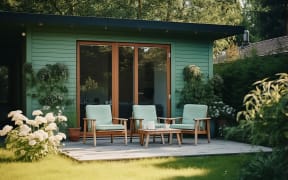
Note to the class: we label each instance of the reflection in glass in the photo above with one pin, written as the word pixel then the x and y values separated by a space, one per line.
pixel 95 70
pixel 152 77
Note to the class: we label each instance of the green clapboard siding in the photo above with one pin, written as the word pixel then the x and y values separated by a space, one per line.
pixel 52 45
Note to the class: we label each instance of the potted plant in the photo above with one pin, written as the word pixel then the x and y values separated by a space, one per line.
pixel 223 114
pixel 73 130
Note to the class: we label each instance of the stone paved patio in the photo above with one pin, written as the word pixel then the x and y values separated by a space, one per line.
pixel 118 151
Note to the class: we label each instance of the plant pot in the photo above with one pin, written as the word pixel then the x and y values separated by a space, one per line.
pixel 74 134
pixel 212 128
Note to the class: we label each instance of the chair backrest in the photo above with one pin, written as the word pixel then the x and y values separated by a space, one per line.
pixel 102 113
pixel 192 111
pixel 145 112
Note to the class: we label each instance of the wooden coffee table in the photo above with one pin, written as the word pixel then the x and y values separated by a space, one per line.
pixel 159 131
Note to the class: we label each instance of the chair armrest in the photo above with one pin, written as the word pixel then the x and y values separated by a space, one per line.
pixel 89 119
pixel 121 119
pixel 202 119
pixel 177 118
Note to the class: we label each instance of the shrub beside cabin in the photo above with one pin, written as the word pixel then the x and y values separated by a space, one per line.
pixel 110 61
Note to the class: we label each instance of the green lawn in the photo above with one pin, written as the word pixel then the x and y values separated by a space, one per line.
pixel 60 167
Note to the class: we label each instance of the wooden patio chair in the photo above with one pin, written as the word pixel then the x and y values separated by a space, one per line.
pixel 99 117
pixel 194 121
pixel 143 116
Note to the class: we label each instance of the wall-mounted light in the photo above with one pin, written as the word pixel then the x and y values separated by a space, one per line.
pixel 23 34
pixel 246 37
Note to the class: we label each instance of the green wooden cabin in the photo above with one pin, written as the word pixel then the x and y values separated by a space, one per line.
pixel 127 61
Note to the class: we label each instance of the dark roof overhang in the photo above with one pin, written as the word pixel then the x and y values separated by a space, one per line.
pixel 176 28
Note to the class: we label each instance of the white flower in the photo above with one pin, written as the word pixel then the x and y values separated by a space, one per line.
pixel 60 136
pixel 37 113
pixel 62 118
pixel 12 113
pixel 40 135
pixel 32 142
pixel 18 117
pixel 24 130
pixel 19 122
pixel 40 120
pixel 6 129
pixel 32 123
pixel 51 127
pixel 50 117
pixel 63 135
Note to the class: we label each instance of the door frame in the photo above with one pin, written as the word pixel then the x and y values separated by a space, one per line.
pixel 115 73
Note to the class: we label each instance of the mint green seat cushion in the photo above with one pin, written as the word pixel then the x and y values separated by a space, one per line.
pixel 103 116
pixel 109 127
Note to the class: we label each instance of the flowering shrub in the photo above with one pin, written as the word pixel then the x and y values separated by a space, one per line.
pixel 33 139
pixel 221 110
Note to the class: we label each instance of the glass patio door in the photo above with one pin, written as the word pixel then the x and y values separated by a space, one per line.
pixel 123 74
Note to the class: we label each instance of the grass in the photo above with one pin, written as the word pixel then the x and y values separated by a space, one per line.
pixel 64 168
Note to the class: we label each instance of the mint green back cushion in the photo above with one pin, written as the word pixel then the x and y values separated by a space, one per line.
pixel 145 112
pixel 102 113
pixel 192 111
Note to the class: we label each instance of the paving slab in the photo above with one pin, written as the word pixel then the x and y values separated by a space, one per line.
pixel 119 151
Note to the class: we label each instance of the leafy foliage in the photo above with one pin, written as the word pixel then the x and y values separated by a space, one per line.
pixel 266 19
pixel 239 75
pixel 266 166
pixel 48 85
pixel 196 90
pixel 267 107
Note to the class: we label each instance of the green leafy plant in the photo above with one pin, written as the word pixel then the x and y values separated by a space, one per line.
pixel 196 89
pixel 48 85
pixel 266 109
pixel 265 120
pixel 33 139
pixel 266 166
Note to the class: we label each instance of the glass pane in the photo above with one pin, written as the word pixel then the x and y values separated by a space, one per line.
pixel 126 58
pixel 95 75
pixel 152 78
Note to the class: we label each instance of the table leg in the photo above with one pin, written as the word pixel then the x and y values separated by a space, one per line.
pixel 84 133
pixel 94 132
pixel 162 138
pixel 147 140
pixel 170 138
pixel 178 139
pixel 131 129
pixel 141 138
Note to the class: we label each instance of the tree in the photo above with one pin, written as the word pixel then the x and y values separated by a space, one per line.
pixel 266 18
pixel 194 11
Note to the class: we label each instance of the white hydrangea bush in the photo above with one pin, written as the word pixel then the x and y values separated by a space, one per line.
pixel 33 139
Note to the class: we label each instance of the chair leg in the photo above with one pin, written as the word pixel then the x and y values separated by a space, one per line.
pixel 112 138
pixel 208 131
pixel 94 132
pixel 84 133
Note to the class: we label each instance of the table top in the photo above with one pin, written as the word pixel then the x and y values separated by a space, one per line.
pixel 163 130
